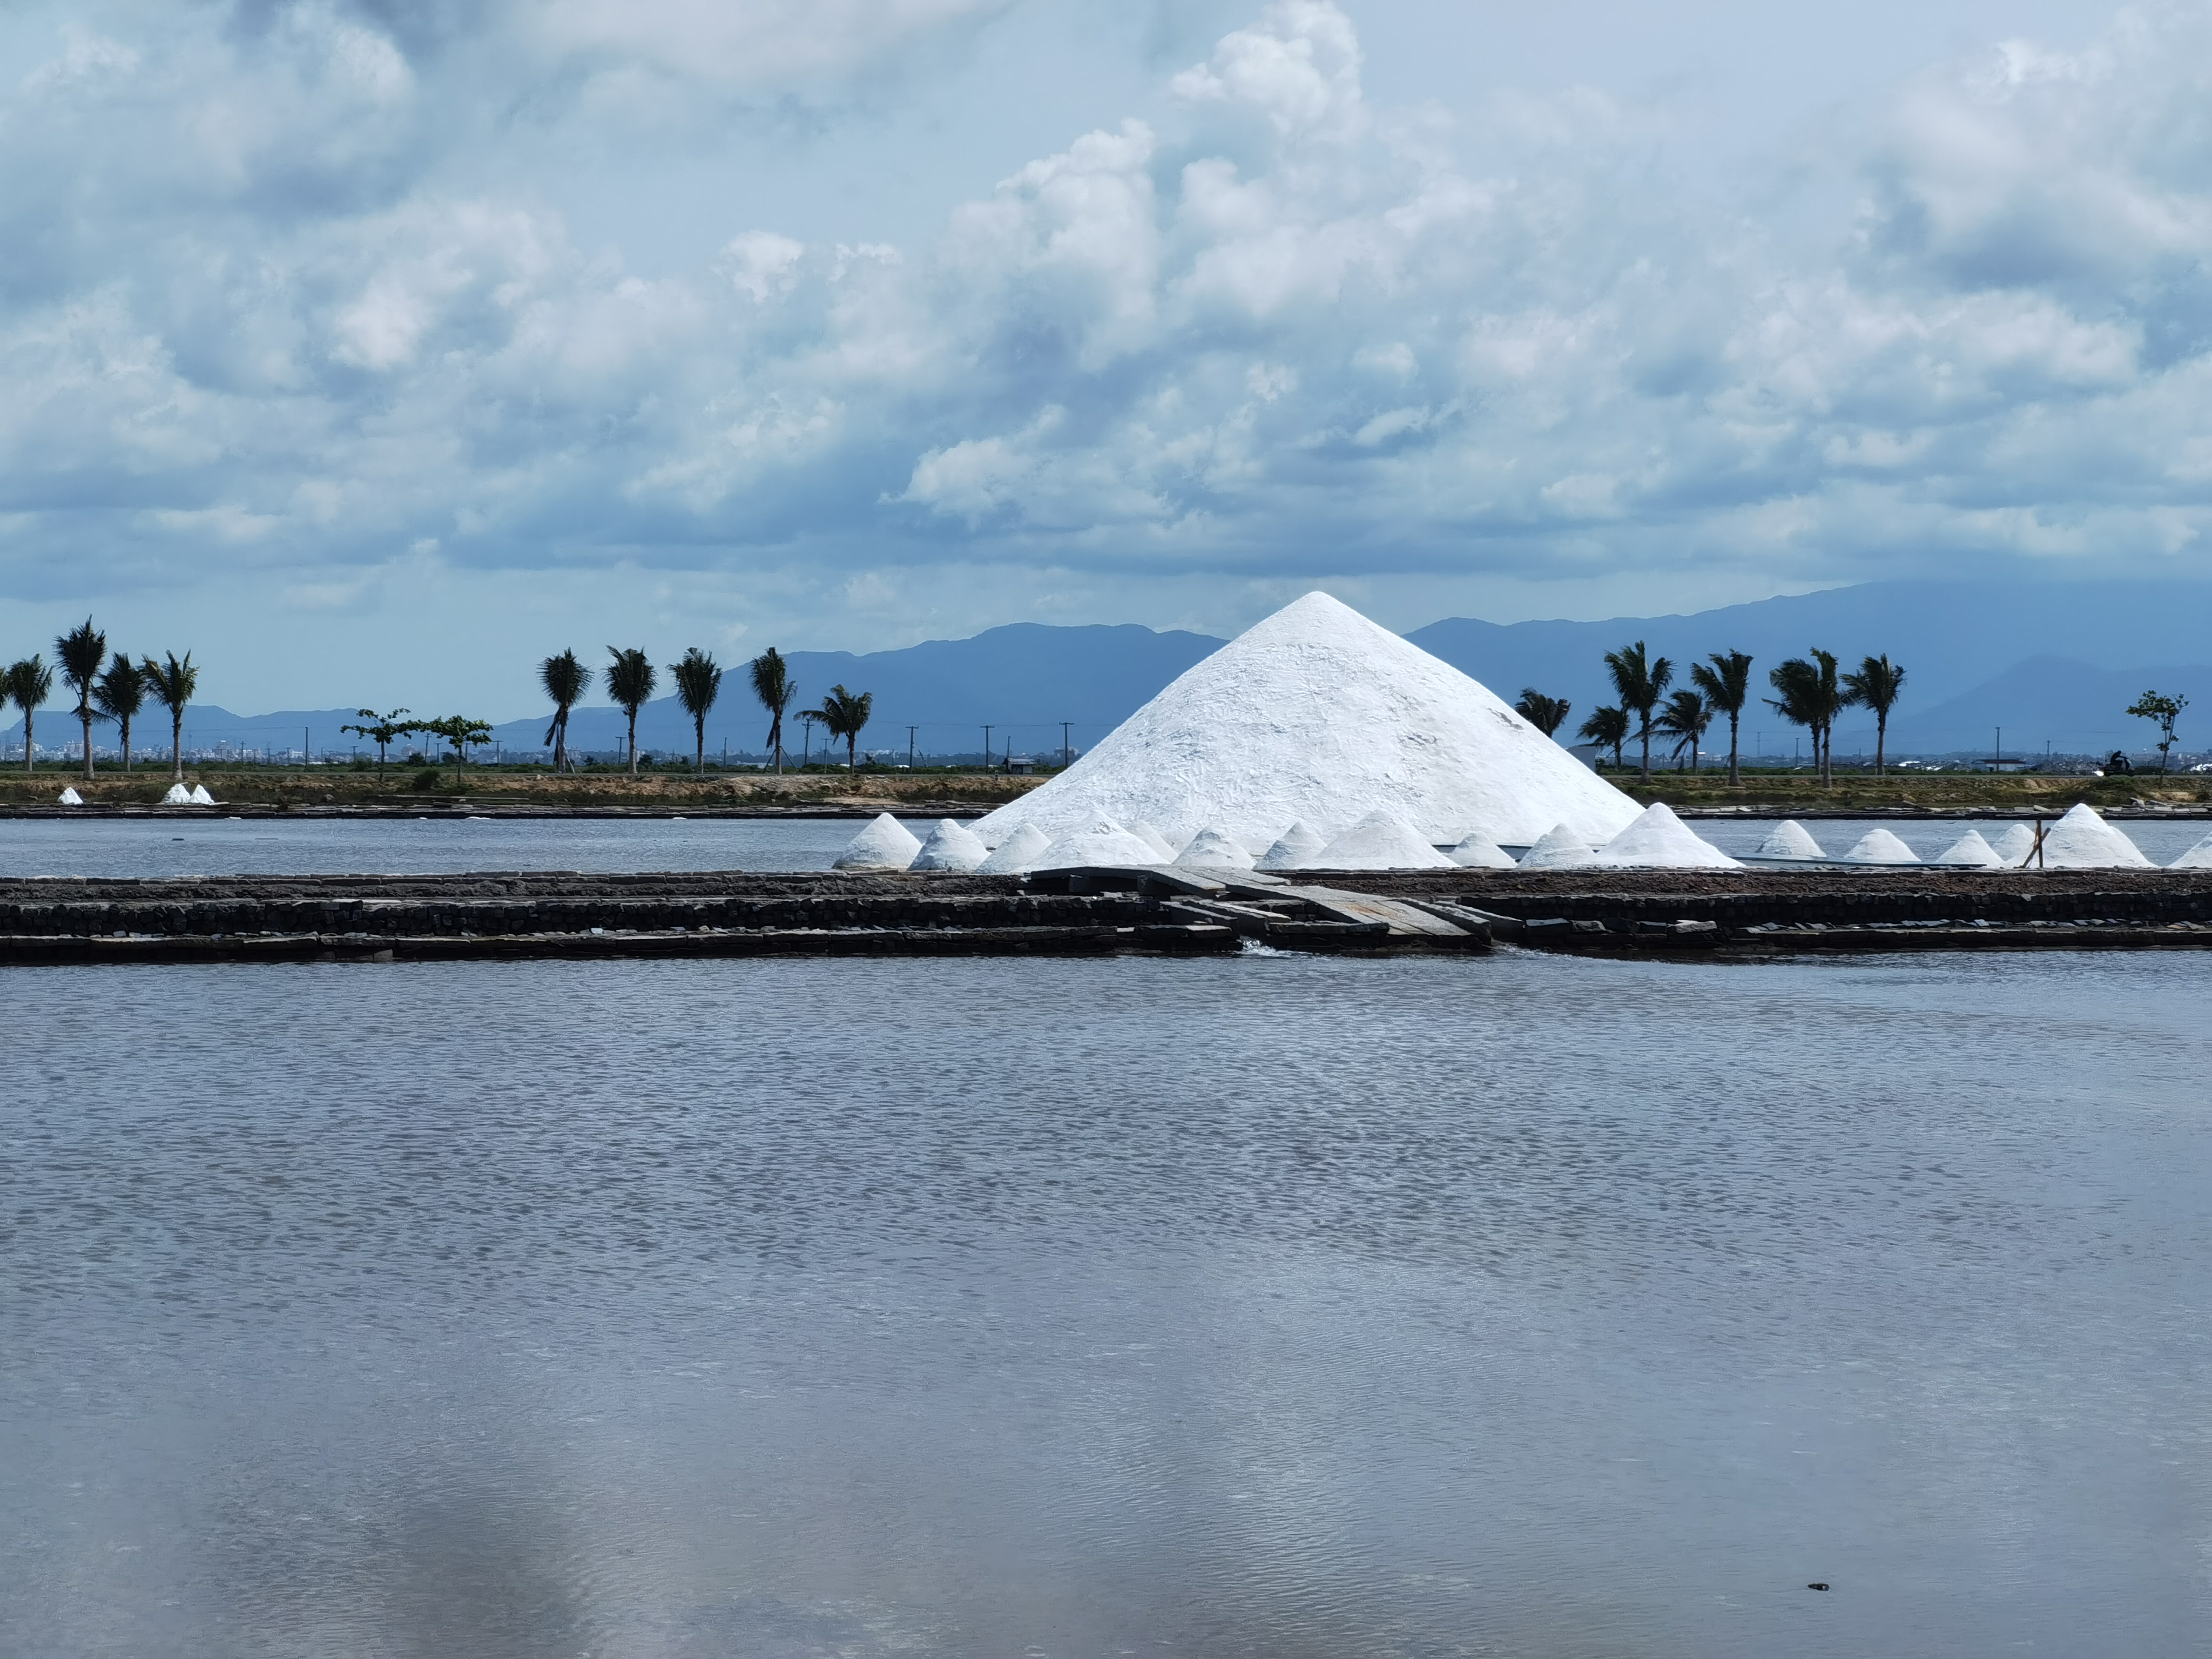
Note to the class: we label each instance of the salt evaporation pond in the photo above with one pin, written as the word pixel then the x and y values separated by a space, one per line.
pixel 1261 1306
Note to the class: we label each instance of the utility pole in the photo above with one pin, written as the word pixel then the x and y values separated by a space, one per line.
pixel 306 753
pixel 986 748
pixel 909 747
pixel 1064 750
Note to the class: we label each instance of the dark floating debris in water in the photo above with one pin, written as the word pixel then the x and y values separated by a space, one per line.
pixel 1816 1586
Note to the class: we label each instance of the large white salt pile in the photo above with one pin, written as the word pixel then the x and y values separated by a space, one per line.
pixel 1558 849
pixel 951 846
pixel 1210 849
pixel 1318 713
pixel 1879 846
pixel 1016 853
pixel 2014 845
pixel 2083 840
pixel 2198 857
pixel 70 798
pixel 1790 840
pixel 885 844
pixel 1381 841
pixel 1659 840
pixel 1153 839
pixel 178 796
pixel 1292 847
pixel 1971 848
pixel 1476 851
pixel 200 796
pixel 1098 842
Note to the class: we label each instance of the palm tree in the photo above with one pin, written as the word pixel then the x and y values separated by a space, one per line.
pixel 845 713
pixel 1608 729
pixel 698 682
pixel 1684 719
pixel 1546 715
pixel 29 683
pixel 772 685
pixel 631 683
pixel 1811 697
pixel 1640 682
pixel 1725 679
pixel 119 696
pixel 565 680
pixel 387 730
pixel 82 651
pixel 172 684
pixel 1877 686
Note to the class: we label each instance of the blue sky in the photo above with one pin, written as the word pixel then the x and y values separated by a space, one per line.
pixel 373 350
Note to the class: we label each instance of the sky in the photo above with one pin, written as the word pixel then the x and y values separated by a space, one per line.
pixel 374 350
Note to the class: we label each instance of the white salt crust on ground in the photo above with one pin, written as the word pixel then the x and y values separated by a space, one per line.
pixel 1210 849
pixel 1301 841
pixel 1659 840
pixel 951 846
pixel 1790 840
pixel 2015 844
pixel 2198 857
pixel 2083 840
pixel 1879 846
pixel 178 796
pixel 1153 839
pixel 1318 713
pixel 1098 843
pixel 1971 848
pixel 1479 852
pixel 1560 847
pixel 885 844
pixel 1381 841
pixel 1014 854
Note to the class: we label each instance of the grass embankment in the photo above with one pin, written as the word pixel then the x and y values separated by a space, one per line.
pixel 1927 792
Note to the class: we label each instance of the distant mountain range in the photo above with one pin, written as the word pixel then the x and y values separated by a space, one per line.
pixel 2051 663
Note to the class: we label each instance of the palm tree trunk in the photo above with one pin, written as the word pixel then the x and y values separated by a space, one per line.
pixel 699 757
pixel 1880 740
pixel 126 743
pixel 177 746
pixel 27 740
pixel 1646 770
pixel 1733 778
pixel 852 751
pixel 633 743
pixel 84 717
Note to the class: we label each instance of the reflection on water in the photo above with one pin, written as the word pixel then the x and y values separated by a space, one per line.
pixel 1262 1306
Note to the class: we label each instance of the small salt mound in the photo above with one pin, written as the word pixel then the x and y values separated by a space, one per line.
pixel 2083 840
pixel 1560 847
pixel 1210 849
pixel 951 846
pixel 200 796
pixel 1153 839
pixel 1971 848
pixel 2198 857
pixel 1017 852
pixel 70 798
pixel 178 796
pixel 2015 844
pixel 1098 843
pixel 1294 845
pixel 1879 846
pixel 1381 841
pixel 885 844
pixel 1477 852
pixel 1659 840
pixel 1790 840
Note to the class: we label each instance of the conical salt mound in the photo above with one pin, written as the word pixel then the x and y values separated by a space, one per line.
pixel 70 798
pixel 178 796
pixel 1659 840
pixel 1016 853
pixel 885 844
pixel 2083 840
pixel 1477 852
pixel 200 796
pixel 1292 847
pixel 2014 845
pixel 1153 839
pixel 1558 849
pixel 1790 840
pixel 1971 848
pixel 1210 849
pixel 1318 713
pixel 1879 846
pixel 952 846
pixel 2198 857
pixel 1381 841
pixel 1098 843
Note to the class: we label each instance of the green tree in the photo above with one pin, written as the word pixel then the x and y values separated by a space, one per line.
pixel 1724 678
pixel 1546 715
pixel 119 696
pixel 1811 697
pixel 1608 729
pixel 30 682
pixel 384 731
pixel 1639 681
pixel 845 714
pixel 1877 685
pixel 565 680
pixel 82 651
pixel 172 684
pixel 1684 719
pixel 772 684
pixel 459 731
pixel 2154 706
pixel 698 682
pixel 629 683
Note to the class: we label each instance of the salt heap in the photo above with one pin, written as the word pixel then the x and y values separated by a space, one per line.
pixel 1659 840
pixel 1476 851
pixel 1210 849
pixel 1971 848
pixel 1016 853
pixel 1381 841
pixel 70 798
pixel 1318 713
pixel 2198 857
pixel 178 796
pixel 1153 839
pixel 951 846
pixel 1790 840
pixel 200 796
pixel 1558 849
pixel 1292 847
pixel 2014 845
pixel 885 844
pixel 1098 843
pixel 1879 846
pixel 2083 840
